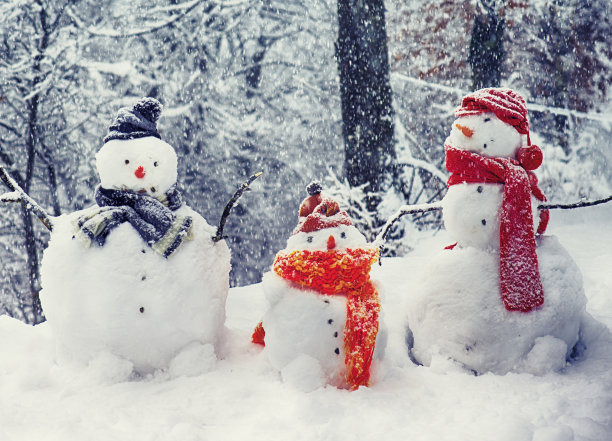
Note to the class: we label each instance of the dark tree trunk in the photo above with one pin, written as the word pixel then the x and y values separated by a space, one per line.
pixel 28 224
pixel 365 92
pixel 31 139
pixel 556 35
pixel 253 73
pixel 53 189
pixel 487 54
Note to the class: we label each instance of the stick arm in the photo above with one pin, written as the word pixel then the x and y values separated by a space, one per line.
pixel 17 194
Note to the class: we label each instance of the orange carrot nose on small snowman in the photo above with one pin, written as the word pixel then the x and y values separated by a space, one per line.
pixel 140 172
pixel 331 242
pixel 467 132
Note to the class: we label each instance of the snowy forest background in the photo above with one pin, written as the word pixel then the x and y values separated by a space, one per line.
pixel 253 85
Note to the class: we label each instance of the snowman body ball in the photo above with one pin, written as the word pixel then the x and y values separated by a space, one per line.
pixel 504 297
pixel 137 275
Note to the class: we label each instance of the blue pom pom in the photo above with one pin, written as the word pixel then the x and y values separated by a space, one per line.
pixel 149 108
pixel 314 188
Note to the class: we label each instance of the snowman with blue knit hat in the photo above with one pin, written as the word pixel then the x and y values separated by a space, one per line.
pixel 137 275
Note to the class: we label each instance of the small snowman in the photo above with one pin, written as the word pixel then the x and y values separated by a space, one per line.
pixel 137 275
pixel 504 297
pixel 323 318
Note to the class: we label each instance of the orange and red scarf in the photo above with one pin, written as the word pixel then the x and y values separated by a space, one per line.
pixel 340 272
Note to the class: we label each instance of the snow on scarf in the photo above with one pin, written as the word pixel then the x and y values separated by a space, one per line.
pixel 336 272
pixel 152 218
pixel 521 286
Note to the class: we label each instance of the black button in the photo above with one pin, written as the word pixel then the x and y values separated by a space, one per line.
pixel 337 351
pixel 141 309
pixel 330 321
pixel 479 189
pixel 484 221
pixel 336 334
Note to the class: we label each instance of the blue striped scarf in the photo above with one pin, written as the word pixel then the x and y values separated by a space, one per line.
pixel 153 218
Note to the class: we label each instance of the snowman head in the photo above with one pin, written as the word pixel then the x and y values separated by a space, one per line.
pixel 486 135
pixel 493 122
pixel 322 226
pixel 133 157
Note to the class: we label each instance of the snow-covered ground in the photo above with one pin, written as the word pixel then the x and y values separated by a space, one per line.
pixel 242 397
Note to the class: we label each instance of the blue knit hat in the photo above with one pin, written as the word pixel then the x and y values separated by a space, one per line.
pixel 137 122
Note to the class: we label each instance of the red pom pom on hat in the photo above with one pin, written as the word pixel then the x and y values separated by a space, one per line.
pixel 314 198
pixel 530 157
pixel 318 212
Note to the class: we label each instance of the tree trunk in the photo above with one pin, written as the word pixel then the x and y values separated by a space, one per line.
pixel 365 92
pixel 28 225
pixel 253 73
pixel 57 210
pixel 31 138
pixel 487 54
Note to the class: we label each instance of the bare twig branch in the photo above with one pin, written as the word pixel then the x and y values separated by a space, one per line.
pixel 228 208
pixel 189 6
pixel 18 195
pixel 580 204
pixel 404 210
pixel 10 128
pixel 606 117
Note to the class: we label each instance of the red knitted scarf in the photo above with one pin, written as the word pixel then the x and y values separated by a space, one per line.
pixel 521 287
pixel 345 272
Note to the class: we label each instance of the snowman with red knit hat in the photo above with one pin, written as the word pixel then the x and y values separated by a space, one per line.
pixel 323 318
pixel 504 297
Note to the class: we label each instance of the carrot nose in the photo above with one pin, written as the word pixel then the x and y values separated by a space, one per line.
pixel 331 243
pixel 140 172
pixel 465 130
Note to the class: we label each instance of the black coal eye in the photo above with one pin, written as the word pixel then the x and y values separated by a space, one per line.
pixel 487 119
pixel 309 239
pixel 323 209
pixel 155 164
pixel 343 235
pixel 127 161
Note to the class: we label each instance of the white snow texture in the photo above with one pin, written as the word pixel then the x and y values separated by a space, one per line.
pixel 241 395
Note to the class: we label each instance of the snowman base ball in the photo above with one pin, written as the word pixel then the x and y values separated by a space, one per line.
pixel 456 313
pixel 304 326
pixel 127 299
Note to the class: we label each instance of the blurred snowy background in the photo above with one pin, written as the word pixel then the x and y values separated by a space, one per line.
pixel 254 85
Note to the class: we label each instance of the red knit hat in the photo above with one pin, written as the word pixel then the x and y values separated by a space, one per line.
pixel 318 212
pixel 510 107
